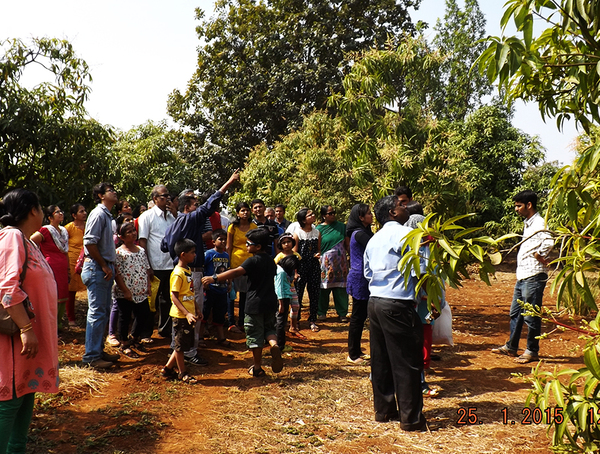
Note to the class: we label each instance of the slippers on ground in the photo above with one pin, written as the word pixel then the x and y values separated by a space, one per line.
pixel 256 373
pixel 184 377
pixel 429 392
pixel 224 343
pixel 276 360
pixel 504 350
pixel 526 358
pixel 129 353
pixel 298 334
pixel 314 328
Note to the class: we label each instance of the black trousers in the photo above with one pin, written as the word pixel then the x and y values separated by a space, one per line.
pixel 357 324
pixel 163 303
pixel 281 322
pixel 396 361
pixel 141 313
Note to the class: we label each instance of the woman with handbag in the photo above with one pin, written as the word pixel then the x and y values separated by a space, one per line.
pixel 29 356
pixel 53 241
pixel 75 230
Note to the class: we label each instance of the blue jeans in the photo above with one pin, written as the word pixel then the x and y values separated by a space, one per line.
pixel 99 302
pixel 530 290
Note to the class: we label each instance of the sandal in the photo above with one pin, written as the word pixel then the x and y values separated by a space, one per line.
pixel 298 334
pixel 428 392
pixel 504 350
pixel 224 343
pixel 184 377
pixel 129 353
pixel 168 372
pixel 234 329
pixel 526 358
pixel 256 373
pixel 276 362
pixel 314 328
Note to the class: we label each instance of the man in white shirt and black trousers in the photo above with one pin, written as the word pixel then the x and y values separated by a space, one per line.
pixel 531 279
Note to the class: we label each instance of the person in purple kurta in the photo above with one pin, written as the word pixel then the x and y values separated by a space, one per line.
pixel 358 229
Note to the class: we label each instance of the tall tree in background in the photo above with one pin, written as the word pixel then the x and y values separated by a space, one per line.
pixel 47 143
pixel 265 64
pixel 460 91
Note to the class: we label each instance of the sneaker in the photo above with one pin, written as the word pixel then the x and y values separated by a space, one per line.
pixel 110 356
pixel 321 317
pixel 196 360
pixel 100 364
pixel 360 361
pixel 113 341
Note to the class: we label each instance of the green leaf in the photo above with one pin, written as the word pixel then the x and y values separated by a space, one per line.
pixel 442 242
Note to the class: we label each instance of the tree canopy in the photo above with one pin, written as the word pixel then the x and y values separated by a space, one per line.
pixel 265 64
pixel 46 141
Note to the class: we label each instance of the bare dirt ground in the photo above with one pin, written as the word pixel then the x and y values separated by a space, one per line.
pixel 318 404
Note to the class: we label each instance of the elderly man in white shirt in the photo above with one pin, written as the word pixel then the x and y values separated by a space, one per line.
pixel 531 279
pixel 153 224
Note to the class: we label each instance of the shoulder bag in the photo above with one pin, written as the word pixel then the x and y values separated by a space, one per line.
pixel 7 325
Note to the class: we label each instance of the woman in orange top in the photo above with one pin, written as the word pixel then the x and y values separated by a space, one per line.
pixel 30 358
pixel 75 230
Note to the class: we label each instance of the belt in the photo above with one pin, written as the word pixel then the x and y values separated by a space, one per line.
pixel 89 259
pixel 197 269
pixel 393 300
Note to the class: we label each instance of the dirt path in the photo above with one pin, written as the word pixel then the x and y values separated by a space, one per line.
pixel 318 403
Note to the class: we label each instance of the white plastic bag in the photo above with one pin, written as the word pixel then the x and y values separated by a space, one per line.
pixel 442 328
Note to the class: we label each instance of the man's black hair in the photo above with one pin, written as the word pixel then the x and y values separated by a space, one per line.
pixel 383 207
pixel 185 245
pixel 260 237
pixel 100 189
pixel 185 201
pixel 255 201
pixel 403 190
pixel 525 197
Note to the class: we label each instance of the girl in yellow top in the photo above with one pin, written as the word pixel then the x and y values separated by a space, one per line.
pixel 238 253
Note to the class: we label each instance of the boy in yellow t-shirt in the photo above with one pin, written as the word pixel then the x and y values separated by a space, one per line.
pixel 183 311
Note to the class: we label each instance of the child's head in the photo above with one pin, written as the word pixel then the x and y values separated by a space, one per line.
pixel 219 237
pixel 127 232
pixel 286 242
pixel 258 238
pixel 185 250
pixel 289 264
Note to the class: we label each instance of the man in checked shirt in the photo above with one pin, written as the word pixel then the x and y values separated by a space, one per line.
pixel 531 279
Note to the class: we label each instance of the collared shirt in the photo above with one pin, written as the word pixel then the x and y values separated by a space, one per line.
pixel 98 231
pixel 153 224
pixel 381 258
pixel 284 224
pixel 542 243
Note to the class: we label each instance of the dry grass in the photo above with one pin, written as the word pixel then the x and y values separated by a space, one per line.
pixel 75 378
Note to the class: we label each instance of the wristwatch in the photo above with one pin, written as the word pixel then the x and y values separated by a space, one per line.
pixel 214 276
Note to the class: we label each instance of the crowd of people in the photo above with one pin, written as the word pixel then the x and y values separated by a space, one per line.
pixel 188 263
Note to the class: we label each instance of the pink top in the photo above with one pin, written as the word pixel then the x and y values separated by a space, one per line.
pixel 39 374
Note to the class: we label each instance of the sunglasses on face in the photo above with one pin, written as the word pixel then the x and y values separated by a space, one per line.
pixel 250 243
pixel 331 213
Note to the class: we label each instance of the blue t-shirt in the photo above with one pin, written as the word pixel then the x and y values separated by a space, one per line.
pixel 219 262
